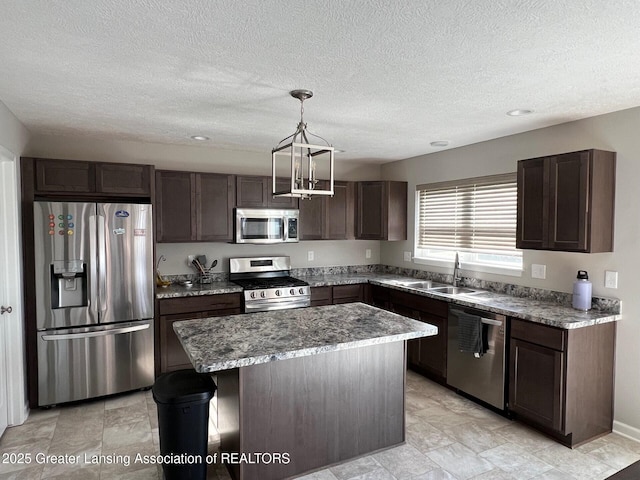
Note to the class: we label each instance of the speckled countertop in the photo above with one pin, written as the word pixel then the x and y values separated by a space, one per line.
pixel 538 311
pixel 233 341
pixel 213 288
pixel 526 308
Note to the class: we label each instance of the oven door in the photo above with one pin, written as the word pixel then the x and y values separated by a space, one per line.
pixel 276 304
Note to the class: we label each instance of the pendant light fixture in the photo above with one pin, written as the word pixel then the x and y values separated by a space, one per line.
pixel 304 161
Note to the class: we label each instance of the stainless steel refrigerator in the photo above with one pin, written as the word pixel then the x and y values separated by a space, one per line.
pixel 94 296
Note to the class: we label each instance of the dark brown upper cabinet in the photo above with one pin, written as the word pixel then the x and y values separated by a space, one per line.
pixel 566 202
pixel 175 203
pixel 194 207
pixel 123 179
pixel 64 176
pixel 312 218
pixel 256 191
pixel 329 218
pixel 81 177
pixel 381 210
pixel 215 199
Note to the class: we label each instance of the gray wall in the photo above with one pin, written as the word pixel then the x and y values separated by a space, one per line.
pixel 617 132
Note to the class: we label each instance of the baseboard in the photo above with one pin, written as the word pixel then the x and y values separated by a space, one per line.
pixel 625 430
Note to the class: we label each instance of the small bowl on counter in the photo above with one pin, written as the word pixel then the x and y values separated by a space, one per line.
pixel 161 281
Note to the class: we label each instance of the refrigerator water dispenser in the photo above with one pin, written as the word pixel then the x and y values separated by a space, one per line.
pixel 68 284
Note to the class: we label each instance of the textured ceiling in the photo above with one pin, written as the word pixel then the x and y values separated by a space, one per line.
pixel 389 77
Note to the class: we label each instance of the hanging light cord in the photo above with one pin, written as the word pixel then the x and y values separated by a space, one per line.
pixel 302 130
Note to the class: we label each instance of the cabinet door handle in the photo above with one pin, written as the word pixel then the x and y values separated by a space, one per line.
pixel 4 309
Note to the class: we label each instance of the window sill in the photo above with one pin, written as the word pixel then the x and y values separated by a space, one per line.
pixel 470 267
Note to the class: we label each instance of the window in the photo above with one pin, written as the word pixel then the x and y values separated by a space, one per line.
pixel 474 217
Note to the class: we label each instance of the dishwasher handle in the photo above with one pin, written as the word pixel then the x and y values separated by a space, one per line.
pixel 490 321
pixel 488 318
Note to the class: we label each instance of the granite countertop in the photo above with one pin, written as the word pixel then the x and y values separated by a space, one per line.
pixel 213 288
pixel 526 308
pixel 538 311
pixel 221 343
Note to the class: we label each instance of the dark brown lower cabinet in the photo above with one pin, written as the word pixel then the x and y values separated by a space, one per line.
pixel 377 296
pixel 348 293
pixel 172 355
pixel 537 384
pixel 333 295
pixel 426 355
pixel 321 296
pixel 561 381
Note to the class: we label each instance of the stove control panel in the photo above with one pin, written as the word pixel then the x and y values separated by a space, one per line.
pixel 279 293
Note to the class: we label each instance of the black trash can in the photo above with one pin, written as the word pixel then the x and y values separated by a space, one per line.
pixel 183 398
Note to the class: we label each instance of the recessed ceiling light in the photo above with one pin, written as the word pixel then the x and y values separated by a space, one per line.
pixel 200 138
pixel 440 143
pixel 518 112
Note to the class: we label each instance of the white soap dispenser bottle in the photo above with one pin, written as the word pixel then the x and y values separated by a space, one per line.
pixel 582 291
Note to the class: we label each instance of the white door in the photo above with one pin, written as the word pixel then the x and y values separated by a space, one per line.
pixel 12 392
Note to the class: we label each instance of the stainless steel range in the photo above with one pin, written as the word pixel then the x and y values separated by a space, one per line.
pixel 267 284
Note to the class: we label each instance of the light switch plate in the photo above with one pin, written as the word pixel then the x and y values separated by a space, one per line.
pixel 610 279
pixel 538 271
pixel 367 253
pixel 310 256
pixel 407 256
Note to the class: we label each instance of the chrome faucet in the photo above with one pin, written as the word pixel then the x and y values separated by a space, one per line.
pixel 456 271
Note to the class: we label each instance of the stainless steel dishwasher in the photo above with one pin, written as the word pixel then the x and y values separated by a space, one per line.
pixel 479 375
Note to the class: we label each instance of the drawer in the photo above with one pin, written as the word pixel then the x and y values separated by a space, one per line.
pixel 543 335
pixel 201 303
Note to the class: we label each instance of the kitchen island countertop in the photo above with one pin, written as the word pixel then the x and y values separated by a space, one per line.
pixel 222 343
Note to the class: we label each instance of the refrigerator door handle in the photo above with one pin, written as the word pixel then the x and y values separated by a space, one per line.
pixel 93 267
pixel 102 264
pixel 101 333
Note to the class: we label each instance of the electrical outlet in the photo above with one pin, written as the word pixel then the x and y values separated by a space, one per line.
pixel 367 253
pixel 610 279
pixel 407 256
pixel 538 271
pixel 310 255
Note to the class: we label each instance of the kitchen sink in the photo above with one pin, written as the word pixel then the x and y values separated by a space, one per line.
pixel 426 284
pixel 454 290
pixel 443 288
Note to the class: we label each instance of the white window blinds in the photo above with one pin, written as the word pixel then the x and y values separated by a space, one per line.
pixel 475 215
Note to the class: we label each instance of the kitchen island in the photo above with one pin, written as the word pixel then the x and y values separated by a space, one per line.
pixel 305 388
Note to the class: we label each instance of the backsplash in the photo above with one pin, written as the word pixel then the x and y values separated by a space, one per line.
pixel 341 270
pixel 195 277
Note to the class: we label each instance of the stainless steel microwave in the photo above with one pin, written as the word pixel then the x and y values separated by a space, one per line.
pixel 266 225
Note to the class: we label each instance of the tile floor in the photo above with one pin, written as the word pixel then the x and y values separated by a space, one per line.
pixel 448 438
